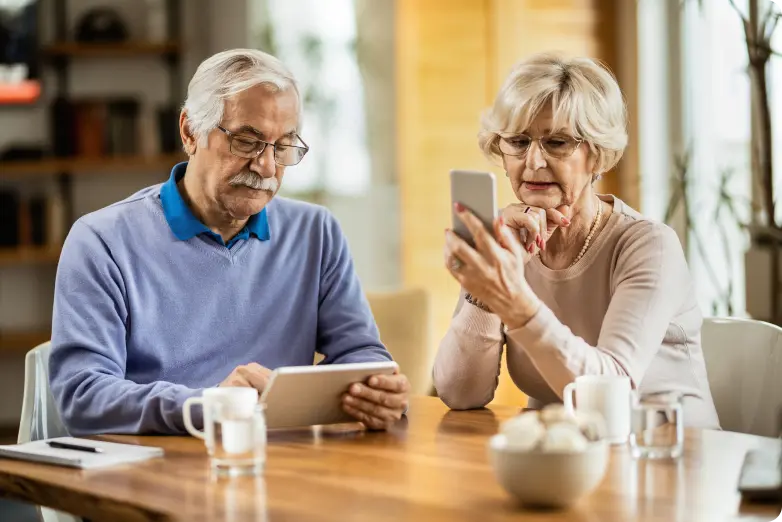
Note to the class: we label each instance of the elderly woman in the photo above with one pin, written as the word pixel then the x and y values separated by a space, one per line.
pixel 572 282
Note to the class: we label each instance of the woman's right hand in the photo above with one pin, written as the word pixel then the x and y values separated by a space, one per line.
pixel 533 225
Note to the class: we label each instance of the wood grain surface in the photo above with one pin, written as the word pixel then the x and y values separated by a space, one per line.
pixel 431 467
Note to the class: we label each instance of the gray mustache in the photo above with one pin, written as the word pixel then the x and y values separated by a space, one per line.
pixel 254 181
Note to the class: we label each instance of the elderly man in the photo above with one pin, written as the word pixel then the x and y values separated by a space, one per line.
pixel 208 279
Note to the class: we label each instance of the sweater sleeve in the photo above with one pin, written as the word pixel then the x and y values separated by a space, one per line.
pixel 650 281
pixel 467 366
pixel 89 352
pixel 347 332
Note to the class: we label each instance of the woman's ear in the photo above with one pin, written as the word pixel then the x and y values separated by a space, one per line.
pixel 593 164
pixel 189 143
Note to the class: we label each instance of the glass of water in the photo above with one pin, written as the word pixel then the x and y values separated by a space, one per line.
pixel 657 427
pixel 237 439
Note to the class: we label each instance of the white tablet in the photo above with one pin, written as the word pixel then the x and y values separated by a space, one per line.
pixel 312 395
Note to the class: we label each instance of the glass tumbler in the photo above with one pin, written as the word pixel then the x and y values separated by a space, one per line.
pixel 238 445
pixel 656 426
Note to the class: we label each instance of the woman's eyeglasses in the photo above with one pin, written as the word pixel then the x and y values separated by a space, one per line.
pixel 557 146
pixel 285 152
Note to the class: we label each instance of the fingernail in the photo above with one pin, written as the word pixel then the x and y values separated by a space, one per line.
pixel 373 381
pixel 502 221
pixel 530 249
pixel 538 241
pixel 349 399
pixel 356 388
pixel 458 206
pixel 565 221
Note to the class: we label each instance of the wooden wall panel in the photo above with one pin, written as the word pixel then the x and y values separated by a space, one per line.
pixel 441 88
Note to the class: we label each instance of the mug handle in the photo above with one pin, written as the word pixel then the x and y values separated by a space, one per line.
pixel 190 401
pixel 567 396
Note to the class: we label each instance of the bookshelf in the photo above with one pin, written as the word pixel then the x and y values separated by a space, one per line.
pixel 29 255
pixel 66 159
pixel 88 165
pixel 110 50
pixel 21 341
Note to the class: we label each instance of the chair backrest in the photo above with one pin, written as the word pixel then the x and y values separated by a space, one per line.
pixel 744 364
pixel 40 418
pixel 404 320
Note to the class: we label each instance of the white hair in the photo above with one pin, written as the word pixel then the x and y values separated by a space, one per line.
pixel 584 97
pixel 226 74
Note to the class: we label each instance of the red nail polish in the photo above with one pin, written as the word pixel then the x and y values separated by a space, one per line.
pixel 502 221
pixel 458 206
pixel 565 221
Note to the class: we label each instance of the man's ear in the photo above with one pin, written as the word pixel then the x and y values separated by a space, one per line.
pixel 189 142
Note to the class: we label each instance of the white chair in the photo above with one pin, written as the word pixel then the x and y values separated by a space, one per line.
pixel 744 363
pixel 40 418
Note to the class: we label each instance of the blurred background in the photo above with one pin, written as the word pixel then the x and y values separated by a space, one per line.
pixel 393 90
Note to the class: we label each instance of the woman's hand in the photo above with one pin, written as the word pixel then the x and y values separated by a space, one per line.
pixel 537 224
pixel 493 271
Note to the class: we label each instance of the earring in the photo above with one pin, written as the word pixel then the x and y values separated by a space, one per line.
pixel 596 177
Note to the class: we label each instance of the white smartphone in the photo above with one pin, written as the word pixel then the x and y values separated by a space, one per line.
pixel 312 395
pixel 477 191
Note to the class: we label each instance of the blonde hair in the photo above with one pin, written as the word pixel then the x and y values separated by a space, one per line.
pixel 584 97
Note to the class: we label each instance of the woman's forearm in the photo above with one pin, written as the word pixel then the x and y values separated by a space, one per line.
pixel 467 366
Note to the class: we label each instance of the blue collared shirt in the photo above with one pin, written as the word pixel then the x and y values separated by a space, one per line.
pixel 185 225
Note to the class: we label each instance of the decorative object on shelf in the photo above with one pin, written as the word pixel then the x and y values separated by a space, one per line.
pixel 101 24
pixel 20 76
pixel 122 127
pixel 56 218
pixel 168 125
pixel 63 123
pixel 9 218
pixel 37 210
pixel 21 152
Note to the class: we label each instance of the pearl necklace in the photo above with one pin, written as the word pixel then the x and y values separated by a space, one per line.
pixel 592 231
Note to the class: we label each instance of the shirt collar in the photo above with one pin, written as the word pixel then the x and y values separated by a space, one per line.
pixel 185 225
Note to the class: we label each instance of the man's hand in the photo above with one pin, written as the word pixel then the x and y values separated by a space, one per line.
pixel 379 403
pixel 251 375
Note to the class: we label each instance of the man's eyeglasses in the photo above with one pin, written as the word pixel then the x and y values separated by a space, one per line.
pixel 285 152
pixel 557 146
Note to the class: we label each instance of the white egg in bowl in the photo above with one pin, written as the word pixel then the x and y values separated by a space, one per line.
pixel 547 459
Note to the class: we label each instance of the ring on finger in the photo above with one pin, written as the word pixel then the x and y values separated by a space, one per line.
pixel 456 264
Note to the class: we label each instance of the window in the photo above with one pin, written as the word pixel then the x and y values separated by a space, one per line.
pixel 695 113
pixel 320 50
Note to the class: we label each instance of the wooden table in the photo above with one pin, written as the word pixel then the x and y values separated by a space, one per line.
pixel 431 467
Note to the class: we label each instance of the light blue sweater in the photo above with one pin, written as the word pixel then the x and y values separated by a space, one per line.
pixel 144 319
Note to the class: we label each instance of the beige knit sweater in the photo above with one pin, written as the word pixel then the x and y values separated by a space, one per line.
pixel 628 307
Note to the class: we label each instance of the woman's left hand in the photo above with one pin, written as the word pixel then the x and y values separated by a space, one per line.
pixel 493 271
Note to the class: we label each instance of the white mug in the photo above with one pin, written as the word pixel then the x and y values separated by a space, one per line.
pixel 608 395
pixel 241 400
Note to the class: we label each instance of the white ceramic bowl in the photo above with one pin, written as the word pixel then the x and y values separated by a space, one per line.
pixel 548 479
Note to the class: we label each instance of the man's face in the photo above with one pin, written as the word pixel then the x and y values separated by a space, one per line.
pixel 237 186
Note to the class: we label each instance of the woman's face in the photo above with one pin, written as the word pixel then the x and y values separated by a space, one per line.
pixel 543 181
